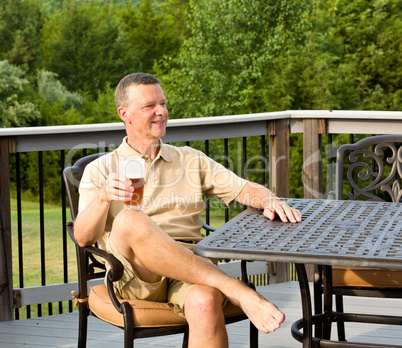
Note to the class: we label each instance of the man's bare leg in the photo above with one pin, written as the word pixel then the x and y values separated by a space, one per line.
pixel 204 314
pixel 151 251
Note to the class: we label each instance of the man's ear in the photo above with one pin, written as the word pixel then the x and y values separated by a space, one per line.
pixel 123 114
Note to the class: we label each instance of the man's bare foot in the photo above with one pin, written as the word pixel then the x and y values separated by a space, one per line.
pixel 263 314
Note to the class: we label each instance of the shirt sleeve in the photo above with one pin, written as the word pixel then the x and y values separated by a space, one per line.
pixel 93 179
pixel 219 181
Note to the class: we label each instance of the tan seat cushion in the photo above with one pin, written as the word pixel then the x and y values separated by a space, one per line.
pixel 146 313
pixel 366 277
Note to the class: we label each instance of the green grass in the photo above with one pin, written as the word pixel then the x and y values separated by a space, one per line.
pixel 31 244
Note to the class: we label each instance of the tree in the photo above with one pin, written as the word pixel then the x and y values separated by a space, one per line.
pixel 233 46
pixel 153 29
pixel 15 110
pixel 83 45
pixel 372 38
pixel 20 25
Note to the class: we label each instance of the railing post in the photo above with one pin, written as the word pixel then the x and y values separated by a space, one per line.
pixel 6 274
pixel 279 165
pixel 312 158
pixel 312 164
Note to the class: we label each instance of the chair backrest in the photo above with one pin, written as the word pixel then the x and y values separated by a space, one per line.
pixel 87 265
pixel 372 167
pixel 72 177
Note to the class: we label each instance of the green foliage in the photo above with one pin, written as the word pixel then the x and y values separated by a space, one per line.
pixel 153 29
pixel 101 108
pixel 54 92
pixel 233 47
pixel 372 40
pixel 214 57
pixel 20 25
pixel 15 111
pixel 82 43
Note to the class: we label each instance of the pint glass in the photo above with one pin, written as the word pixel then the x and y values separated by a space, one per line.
pixel 134 169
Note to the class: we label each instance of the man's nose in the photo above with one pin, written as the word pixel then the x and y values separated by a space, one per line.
pixel 161 110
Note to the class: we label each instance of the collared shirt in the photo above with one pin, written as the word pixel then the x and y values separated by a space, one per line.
pixel 175 183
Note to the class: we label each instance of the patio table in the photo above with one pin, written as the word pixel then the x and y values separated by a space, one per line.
pixel 332 232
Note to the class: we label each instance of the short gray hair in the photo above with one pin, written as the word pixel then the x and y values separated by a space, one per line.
pixel 121 94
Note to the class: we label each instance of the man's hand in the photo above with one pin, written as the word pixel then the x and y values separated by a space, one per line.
pixel 275 207
pixel 117 188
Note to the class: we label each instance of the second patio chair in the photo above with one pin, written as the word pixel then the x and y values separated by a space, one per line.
pixel 138 319
pixel 372 170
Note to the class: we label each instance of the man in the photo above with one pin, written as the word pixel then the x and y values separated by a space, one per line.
pixel 155 244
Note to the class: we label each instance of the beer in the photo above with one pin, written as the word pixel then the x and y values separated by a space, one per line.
pixel 134 169
pixel 138 194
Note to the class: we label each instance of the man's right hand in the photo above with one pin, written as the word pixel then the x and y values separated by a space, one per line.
pixel 117 188
pixel 90 222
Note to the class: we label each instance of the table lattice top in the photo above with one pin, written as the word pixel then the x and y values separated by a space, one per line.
pixel 346 233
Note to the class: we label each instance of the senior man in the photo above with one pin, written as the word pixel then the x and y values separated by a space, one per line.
pixel 155 244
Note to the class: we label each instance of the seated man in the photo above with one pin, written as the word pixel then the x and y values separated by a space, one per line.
pixel 155 244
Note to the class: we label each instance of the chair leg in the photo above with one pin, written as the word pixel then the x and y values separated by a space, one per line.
pixel 253 336
pixel 185 339
pixel 83 313
pixel 128 325
pixel 340 324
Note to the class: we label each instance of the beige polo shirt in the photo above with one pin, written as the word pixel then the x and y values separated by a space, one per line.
pixel 175 183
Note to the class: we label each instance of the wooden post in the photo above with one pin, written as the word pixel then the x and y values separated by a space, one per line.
pixel 312 157
pixel 6 274
pixel 279 182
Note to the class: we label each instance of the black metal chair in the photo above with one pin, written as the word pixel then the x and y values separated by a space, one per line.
pixel 138 319
pixel 373 169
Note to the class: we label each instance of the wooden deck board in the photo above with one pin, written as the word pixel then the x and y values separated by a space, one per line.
pixel 62 330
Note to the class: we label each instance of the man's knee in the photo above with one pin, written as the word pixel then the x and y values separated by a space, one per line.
pixel 203 301
pixel 127 222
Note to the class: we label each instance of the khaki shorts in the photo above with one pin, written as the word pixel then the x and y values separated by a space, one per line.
pixel 130 286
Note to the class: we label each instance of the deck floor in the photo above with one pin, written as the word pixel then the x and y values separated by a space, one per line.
pixel 61 330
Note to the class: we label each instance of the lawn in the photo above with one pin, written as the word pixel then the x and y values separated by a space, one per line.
pixel 31 247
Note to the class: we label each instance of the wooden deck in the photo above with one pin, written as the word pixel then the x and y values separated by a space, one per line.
pixel 61 330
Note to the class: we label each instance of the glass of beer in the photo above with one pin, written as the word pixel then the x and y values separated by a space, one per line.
pixel 134 169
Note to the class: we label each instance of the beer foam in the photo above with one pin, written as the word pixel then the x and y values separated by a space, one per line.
pixel 133 168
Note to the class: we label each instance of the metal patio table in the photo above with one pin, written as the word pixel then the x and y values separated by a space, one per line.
pixel 332 233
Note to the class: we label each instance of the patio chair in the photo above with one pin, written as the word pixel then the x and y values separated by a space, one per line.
pixel 373 169
pixel 138 319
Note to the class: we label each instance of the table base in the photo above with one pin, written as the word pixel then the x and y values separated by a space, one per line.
pixel 322 322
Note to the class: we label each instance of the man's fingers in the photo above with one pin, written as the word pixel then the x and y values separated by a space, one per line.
pixel 118 187
pixel 284 212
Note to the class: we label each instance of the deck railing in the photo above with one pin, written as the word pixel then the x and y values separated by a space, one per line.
pixel 226 138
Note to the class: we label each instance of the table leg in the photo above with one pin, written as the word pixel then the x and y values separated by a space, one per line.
pixel 326 331
pixel 306 305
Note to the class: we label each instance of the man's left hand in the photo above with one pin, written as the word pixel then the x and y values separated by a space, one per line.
pixel 280 208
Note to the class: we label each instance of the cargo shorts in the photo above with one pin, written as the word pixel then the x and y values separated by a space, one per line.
pixel 130 286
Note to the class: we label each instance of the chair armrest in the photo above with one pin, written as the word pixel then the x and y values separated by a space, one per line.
pixel 116 267
pixel 207 227
pixel 114 273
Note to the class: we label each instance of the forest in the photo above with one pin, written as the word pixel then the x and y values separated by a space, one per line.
pixel 60 60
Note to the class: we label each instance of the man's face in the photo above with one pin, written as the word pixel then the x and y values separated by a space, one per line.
pixel 146 115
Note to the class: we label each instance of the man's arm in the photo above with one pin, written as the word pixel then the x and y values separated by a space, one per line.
pixel 90 222
pixel 258 196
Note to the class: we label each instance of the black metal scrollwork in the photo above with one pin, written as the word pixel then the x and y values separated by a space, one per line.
pixel 367 176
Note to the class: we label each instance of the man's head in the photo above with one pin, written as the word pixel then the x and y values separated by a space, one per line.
pixel 122 95
pixel 141 105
